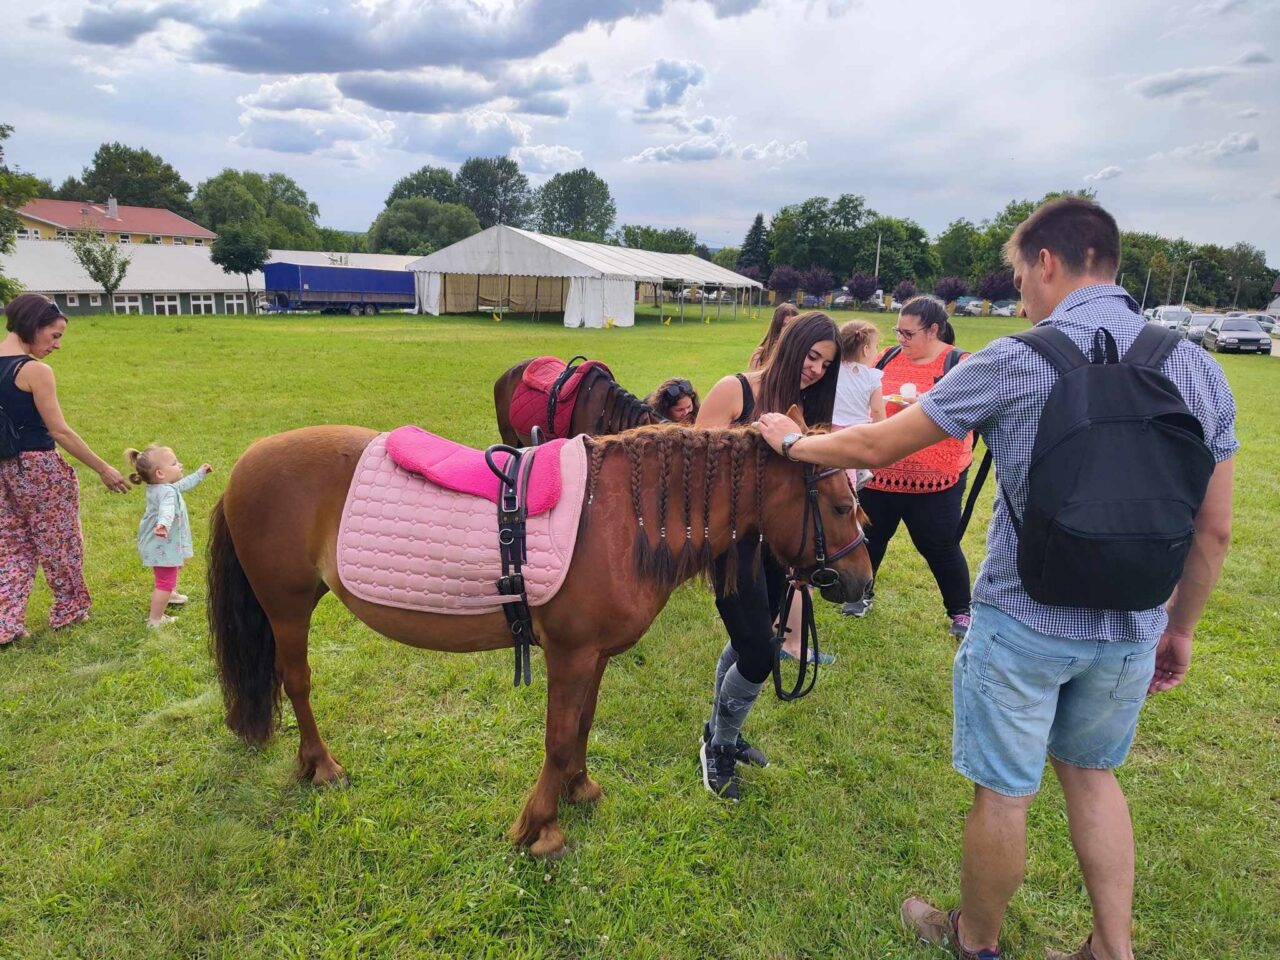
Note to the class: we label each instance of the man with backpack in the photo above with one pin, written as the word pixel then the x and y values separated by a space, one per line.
pixel 1113 446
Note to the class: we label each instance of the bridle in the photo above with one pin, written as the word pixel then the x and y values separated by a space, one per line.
pixel 820 574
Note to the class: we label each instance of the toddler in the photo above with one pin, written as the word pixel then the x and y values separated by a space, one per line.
pixel 859 398
pixel 164 535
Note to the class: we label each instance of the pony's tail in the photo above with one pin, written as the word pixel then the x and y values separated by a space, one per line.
pixel 241 640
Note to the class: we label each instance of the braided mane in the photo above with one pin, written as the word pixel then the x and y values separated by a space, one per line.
pixel 620 409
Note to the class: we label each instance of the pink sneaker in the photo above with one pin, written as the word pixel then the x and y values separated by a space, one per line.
pixel 960 625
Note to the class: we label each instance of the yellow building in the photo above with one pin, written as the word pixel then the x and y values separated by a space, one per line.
pixel 57 219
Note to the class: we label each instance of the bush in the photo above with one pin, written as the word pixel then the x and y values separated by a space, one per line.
pixel 904 291
pixel 817 281
pixel 998 285
pixel 948 288
pixel 784 281
pixel 862 286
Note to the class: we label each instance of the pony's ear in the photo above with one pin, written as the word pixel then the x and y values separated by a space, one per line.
pixel 795 414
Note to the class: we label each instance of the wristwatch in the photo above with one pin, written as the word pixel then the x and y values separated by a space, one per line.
pixel 788 442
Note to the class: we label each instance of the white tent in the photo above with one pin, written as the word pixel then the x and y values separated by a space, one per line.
pixel 591 282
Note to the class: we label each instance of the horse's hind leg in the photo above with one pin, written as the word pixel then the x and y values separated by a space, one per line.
pixel 569 675
pixel 578 785
pixel 290 617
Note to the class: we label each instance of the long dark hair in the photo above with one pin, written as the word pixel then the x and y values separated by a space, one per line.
pixel 769 342
pixel 780 376
pixel 932 312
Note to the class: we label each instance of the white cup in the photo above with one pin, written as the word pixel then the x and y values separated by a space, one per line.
pixel 908 391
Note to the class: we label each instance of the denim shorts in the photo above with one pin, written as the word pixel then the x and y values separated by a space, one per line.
pixel 1020 694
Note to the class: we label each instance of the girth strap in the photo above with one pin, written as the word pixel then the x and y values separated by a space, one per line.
pixel 513 492
pixel 553 396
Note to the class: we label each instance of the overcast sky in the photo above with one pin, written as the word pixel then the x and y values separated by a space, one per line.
pixel 698 113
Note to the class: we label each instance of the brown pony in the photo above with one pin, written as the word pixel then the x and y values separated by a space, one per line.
pixel 661 503
pixel 601 407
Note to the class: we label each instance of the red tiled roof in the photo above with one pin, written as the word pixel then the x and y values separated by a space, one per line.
pixel 70 214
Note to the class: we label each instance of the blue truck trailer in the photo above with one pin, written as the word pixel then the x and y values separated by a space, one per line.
pixel 353 290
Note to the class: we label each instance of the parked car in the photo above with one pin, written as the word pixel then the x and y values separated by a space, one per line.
pixel 689 295
pixel 718 296
pixel 1149 313
pixel 1004 308
pixel 843 301
pixel 1238 334
pixel 1170 316
pixel 1267 323
pixel 811 301
pixel 1193 326
pixel 972 308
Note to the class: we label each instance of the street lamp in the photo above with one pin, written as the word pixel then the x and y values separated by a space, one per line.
pixel 1187 282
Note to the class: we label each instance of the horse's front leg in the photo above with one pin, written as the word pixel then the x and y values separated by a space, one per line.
pixel 569 675
pixel 578 785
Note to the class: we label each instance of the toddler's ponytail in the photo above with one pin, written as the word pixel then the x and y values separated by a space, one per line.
pixel 140 462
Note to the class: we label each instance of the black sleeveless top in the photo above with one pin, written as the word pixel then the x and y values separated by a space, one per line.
pixel 748 402
pixel 20 407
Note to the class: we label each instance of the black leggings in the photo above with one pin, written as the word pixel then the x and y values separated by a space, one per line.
pixel 932 520
pixel 749 612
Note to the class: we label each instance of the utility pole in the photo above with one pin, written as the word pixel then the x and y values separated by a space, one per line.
pixel 1187 282
pixel 1145 287
pixel 879 236
pixel 1169 293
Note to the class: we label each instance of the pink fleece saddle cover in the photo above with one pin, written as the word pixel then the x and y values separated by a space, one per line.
pixel 464 470
pixel 407 542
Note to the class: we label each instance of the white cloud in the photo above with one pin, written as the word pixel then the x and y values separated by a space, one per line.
pixel 693 150
pixel 667 82
pixel 1232 145
pixel 429 90
pixel 294 93
pixel 1256 57
pixel 458 136
pixel 105 87
pixel 306 131
pixel 1181 80
pixel 1106 173
pixel 775 152
pixel 547 158
pixel 1216 8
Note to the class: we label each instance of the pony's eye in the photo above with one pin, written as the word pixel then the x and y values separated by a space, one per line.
pixel 844 509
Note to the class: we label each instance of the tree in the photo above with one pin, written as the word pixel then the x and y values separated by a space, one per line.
pixel 241 248
pixel 862 286
pixel 703 251
pixel 817 281
pixel 656 239
pixel 105 262
pixel 998 285
pixel 1248 274
pixel 434 182
pixel 136 177
pixel 784 280
pixel 727 257
pixel 988 249
pixel 904 291
pixel 495 190
pixel 752 273
pixel 272 202
pixel 341 241
pixel 903 246
pixel 755 247
pixel 420 225
pixel 576 204
pixel 956 248
pixel 948 288
pixel 16 189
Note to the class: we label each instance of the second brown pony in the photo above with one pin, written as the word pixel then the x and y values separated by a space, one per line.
pixel 273 555
pixel 602 406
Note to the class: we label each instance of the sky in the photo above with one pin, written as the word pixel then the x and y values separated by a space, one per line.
pixel 698 113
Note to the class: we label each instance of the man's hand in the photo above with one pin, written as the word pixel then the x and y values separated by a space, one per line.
pixel 1173 658
pixel 775 426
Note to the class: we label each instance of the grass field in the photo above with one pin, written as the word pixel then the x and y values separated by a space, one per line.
pixel 135 826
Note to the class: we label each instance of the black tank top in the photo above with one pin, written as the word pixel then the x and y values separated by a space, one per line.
pixel 20 407
pixel 748 401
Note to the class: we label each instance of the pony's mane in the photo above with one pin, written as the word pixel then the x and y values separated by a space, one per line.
pixel 718 453
pixel 622 410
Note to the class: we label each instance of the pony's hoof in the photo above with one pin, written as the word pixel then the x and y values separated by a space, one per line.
pixel 550 843
pixel 584 790
pixel 329 774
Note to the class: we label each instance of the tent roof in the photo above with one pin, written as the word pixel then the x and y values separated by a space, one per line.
pixel 503 250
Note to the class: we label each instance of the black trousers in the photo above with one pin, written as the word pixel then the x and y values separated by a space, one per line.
pixel 931 519
pixel 748 613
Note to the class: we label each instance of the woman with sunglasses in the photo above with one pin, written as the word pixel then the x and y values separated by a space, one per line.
pixel 675 400
pixel 802 370
pixel 39 493
pixel 923 490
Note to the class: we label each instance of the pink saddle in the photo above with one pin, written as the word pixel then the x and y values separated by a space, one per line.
pixel 410 542
pixel 530 400
pixel 463 469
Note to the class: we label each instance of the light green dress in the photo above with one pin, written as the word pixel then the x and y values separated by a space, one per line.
pixel 165 507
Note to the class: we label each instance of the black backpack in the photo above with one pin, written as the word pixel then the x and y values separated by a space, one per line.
pixel 1117 475
pixel 10 445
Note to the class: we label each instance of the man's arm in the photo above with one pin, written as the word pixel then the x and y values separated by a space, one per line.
pixel 1199 575
pixel 866 446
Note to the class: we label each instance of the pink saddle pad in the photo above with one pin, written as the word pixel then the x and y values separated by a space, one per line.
pixel 407 542
pixel 463 469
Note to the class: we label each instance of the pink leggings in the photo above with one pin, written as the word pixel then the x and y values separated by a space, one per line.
pixel 166 577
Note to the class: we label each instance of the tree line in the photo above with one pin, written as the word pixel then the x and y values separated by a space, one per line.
pixel 814 246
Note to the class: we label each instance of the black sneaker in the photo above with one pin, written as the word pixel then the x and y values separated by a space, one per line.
pixel 720 770
pixel 746 752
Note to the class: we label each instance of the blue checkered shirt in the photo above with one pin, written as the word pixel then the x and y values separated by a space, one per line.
pixel 1001 390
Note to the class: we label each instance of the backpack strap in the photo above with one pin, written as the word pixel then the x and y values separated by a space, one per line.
pixel 978 481
pixel 887 356
pixel 1055 346
pixel 1152 348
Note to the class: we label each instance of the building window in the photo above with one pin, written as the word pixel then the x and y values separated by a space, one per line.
pixel 234 303
pixel 63 234
pixel 127 303
pixel 125 238
pixel 179 241
pixel 156 238
pixel 95 299
pixel 28 233
pixel 198 241
pixel 167 304
pixel 202 303
pixel 102 236
pixel 73 300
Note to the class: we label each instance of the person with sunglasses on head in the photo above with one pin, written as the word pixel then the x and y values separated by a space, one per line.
pixel 925 489
pixel 801 371
pixel 39 493
pixel 675 400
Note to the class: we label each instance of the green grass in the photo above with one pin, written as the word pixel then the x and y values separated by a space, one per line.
pixel 135 826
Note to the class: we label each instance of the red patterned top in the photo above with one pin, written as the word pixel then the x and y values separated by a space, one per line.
pixel 936 467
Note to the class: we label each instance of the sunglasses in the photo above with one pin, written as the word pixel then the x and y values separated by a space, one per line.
pixel 681 388
pixel 50 314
